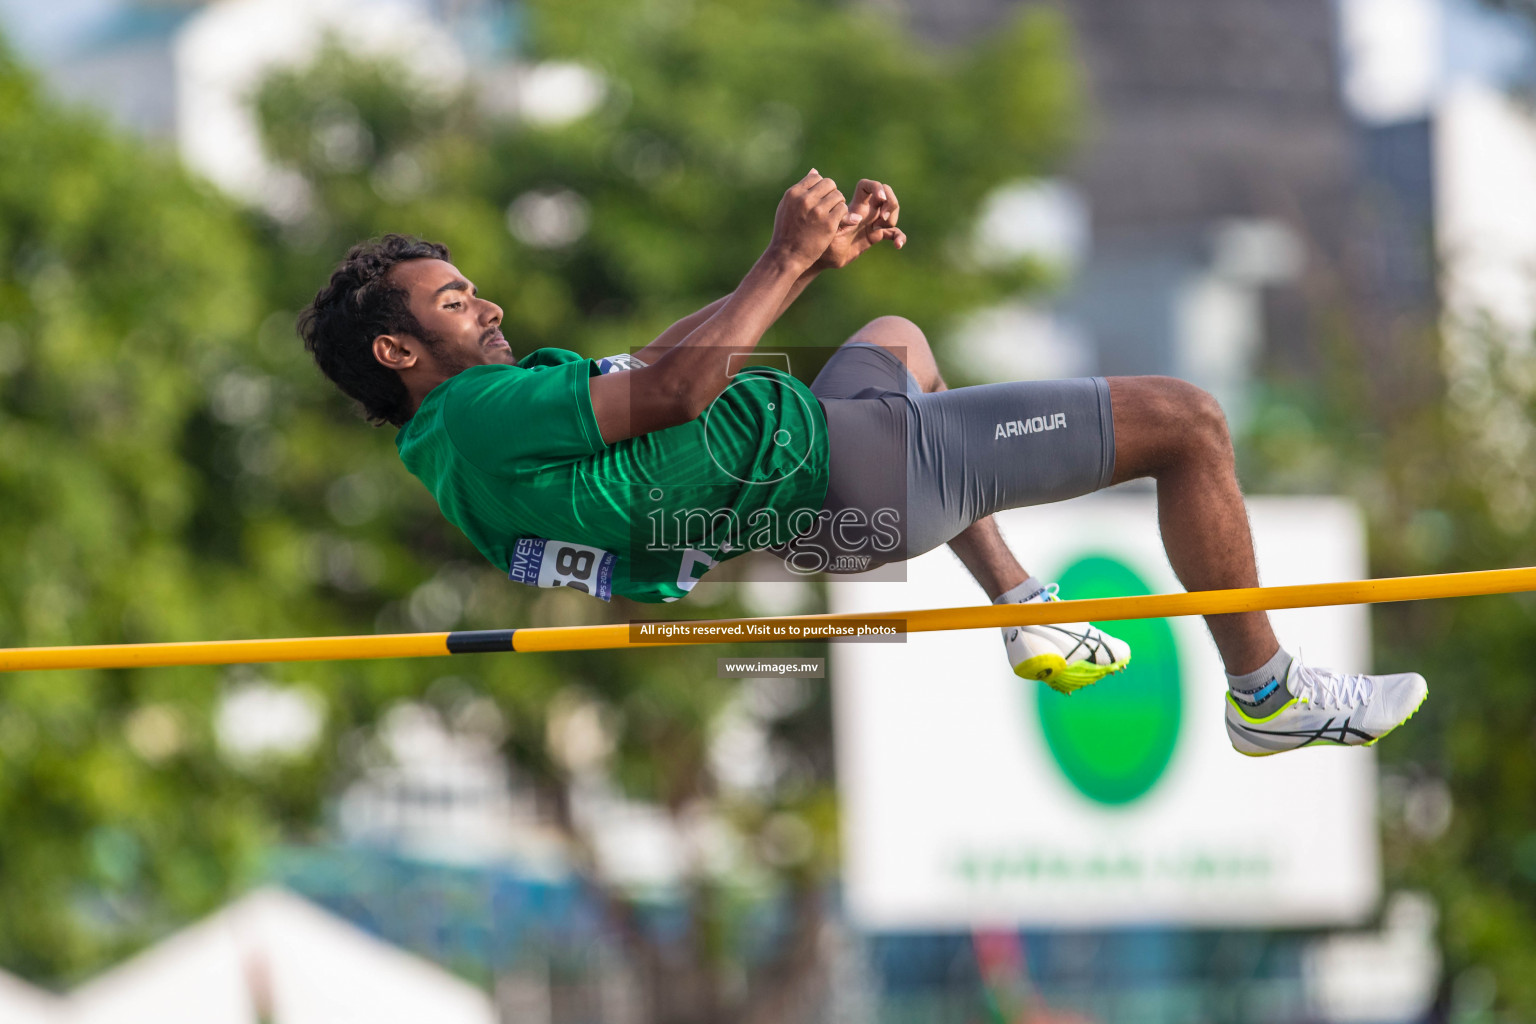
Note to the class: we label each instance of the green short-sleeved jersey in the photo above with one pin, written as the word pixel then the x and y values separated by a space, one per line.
pixel 514 458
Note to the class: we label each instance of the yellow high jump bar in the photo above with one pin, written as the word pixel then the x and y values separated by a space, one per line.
pixel 767 629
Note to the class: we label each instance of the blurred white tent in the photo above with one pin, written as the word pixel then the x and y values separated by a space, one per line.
pixel 21 1003
pixel 273 957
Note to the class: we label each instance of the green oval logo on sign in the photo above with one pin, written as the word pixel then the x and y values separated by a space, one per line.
pixel 1114 739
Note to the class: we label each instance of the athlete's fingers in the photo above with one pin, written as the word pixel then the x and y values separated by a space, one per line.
pixel 864 203
pixel 830 202
pixel 878 193
pixel 869 198
pixel 804 184
pixel 832 210
pixel 824 198
pixel 891 208
pixel 818 191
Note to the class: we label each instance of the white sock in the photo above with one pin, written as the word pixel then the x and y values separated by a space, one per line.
pixel 1025 592
pixel 1263 690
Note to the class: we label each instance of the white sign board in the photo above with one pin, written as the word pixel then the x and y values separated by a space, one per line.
pixel 971 798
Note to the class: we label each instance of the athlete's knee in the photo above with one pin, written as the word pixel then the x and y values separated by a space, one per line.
pixel 892 332
pixel 1168 422
pixel 907 342
pixel 1197 417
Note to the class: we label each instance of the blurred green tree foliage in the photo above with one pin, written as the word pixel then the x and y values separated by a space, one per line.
pixel 175 468
pixel 126 295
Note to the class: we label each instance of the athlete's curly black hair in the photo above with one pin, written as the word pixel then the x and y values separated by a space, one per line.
pixel 358 305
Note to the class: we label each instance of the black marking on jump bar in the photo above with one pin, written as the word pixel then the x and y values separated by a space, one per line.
pixel 480 641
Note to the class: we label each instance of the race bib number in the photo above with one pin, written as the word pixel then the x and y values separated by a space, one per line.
pixel 557 563
pixel 619 363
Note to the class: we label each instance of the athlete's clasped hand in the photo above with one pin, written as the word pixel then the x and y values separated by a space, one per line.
pixel 871 219
pixel 815 225
pixel 808 217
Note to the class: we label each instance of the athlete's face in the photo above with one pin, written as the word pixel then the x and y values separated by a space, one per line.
pixel 463 330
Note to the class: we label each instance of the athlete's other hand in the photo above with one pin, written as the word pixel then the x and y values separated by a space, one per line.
pixel 809 216
pixel 871 220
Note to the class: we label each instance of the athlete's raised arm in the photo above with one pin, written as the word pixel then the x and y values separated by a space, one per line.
pixel 871 219
pixel 679 386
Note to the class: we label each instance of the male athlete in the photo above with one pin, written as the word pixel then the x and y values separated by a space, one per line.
pixel 635 483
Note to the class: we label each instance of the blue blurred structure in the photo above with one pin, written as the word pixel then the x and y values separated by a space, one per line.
pixel 1136 976
pixel 119 55
pixel 496 923
pixel 479 920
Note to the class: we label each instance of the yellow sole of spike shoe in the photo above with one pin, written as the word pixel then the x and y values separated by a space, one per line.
pixel 1053 671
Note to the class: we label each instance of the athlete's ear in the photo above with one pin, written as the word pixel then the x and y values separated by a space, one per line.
pixel 394 352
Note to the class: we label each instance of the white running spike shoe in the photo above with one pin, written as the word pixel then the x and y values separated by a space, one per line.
pixel 1326 707
pixel 1066 656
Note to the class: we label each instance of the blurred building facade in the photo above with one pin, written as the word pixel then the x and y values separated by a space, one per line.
pixel 1217 171
pixel 124 67
pixel 1234 203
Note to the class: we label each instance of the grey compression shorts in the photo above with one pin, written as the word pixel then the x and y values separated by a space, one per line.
pixel 911 470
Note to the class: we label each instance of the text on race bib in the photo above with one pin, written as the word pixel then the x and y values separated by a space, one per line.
pixel 619 363
pixel 556 563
